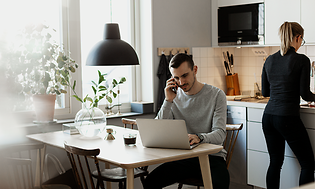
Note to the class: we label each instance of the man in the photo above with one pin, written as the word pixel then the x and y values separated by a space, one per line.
pixel 203 107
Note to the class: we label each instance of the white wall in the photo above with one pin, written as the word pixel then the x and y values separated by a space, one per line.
pixel 179 23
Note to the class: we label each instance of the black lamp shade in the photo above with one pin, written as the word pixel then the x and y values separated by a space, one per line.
pixel 112 51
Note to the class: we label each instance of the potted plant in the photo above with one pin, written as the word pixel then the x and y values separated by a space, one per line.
pixel 90 120
pixel 39 69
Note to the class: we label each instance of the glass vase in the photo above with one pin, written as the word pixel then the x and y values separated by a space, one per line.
pixel 90 121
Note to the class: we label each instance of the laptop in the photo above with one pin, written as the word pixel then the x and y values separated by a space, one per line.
pixel 164 133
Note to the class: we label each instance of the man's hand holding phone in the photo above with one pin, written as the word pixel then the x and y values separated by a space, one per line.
pixel 170 90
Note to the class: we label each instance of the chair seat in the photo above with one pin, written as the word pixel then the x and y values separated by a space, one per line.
pixel 118 174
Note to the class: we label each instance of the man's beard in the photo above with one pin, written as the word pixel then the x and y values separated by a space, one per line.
pixel 191 85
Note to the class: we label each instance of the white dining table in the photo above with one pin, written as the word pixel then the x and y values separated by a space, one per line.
pixel 115 152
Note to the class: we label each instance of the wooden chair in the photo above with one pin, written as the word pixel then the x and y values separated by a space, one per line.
pixel 25 167
pixel 131 122
pixel 229 144
pixel 112 175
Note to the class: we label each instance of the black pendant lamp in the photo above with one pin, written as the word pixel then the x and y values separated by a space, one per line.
pixel 112 51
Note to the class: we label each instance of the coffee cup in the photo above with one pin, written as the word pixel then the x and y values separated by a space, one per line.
pixel 130 139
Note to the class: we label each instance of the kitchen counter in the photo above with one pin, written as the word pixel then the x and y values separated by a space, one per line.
pixel 254 147
pixel 261 103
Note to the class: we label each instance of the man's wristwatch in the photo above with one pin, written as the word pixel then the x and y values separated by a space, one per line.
pixel 200 137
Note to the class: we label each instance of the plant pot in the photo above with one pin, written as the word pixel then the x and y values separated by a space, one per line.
pixel 44 106
pixel 90 121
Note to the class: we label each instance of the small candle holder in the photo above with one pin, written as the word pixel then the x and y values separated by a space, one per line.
pixel 110 136
pixel 109 110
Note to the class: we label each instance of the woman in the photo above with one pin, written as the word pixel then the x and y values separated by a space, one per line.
pixel 286 77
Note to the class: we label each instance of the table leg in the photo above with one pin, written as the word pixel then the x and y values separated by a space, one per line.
pixel 108 184
pixel 130 178
pixel 205 171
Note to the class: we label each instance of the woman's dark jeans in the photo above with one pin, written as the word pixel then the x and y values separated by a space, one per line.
pixel 277 130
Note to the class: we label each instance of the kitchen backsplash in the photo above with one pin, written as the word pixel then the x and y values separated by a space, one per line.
pixel 246 63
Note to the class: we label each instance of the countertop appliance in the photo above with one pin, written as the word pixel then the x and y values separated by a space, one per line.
pixel 241 24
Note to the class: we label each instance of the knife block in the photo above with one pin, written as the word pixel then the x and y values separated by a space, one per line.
pixel 232 85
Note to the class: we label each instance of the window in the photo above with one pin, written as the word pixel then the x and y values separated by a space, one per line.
pixel 94 14
pixel 15 15
pixel 79 26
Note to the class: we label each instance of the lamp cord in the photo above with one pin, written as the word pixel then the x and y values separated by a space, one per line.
pixel 111 12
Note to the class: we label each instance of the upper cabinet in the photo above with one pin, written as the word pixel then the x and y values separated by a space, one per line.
pixel 277 12
pixel 223 3
pixel 307 22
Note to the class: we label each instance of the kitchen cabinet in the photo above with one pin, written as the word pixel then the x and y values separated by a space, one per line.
pixel 307 22
pixel 277 12
pixel 222 3
pixel 258 157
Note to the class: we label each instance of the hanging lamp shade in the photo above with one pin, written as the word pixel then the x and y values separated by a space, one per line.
pixel 112 51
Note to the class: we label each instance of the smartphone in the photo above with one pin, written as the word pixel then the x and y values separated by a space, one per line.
pixel 174 89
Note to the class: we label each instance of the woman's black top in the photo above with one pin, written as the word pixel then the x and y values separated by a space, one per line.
pixel 284 80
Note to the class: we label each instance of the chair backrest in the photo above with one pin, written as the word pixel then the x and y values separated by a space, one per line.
pixel 230 140
pixel 24 165
pixel 19 173
pixel 126 121
pixel 75 156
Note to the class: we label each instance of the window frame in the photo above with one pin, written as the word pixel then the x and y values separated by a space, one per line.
pixel 72 41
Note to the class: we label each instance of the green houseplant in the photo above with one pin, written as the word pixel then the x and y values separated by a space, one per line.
pixel 39 68
pixel 91 120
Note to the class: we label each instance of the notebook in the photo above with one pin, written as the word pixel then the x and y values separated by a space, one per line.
pixel 164 133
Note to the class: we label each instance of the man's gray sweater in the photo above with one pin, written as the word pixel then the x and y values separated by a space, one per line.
pixel 204 113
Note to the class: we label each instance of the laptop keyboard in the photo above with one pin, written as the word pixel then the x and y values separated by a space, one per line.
pixel 194 145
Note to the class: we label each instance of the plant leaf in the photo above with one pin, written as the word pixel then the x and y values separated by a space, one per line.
pixel 63 91
pixel 109 99
pixel 94 90
pixel 122 80
pixel 101 90
pixel 102 87
pixel 74 83
pixel 114 95
pixel 72 69
pixel 78 98
pixel 100 77
pixel 94 83
pixel 115 82
pixel 89 99
pixel 101 97
pixel 95 103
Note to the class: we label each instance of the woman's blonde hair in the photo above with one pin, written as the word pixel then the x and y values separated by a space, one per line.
pixel 287 31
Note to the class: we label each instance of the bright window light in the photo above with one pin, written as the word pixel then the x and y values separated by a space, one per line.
pixel 94 14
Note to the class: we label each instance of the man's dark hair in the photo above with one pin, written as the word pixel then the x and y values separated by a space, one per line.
pixel 180 58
